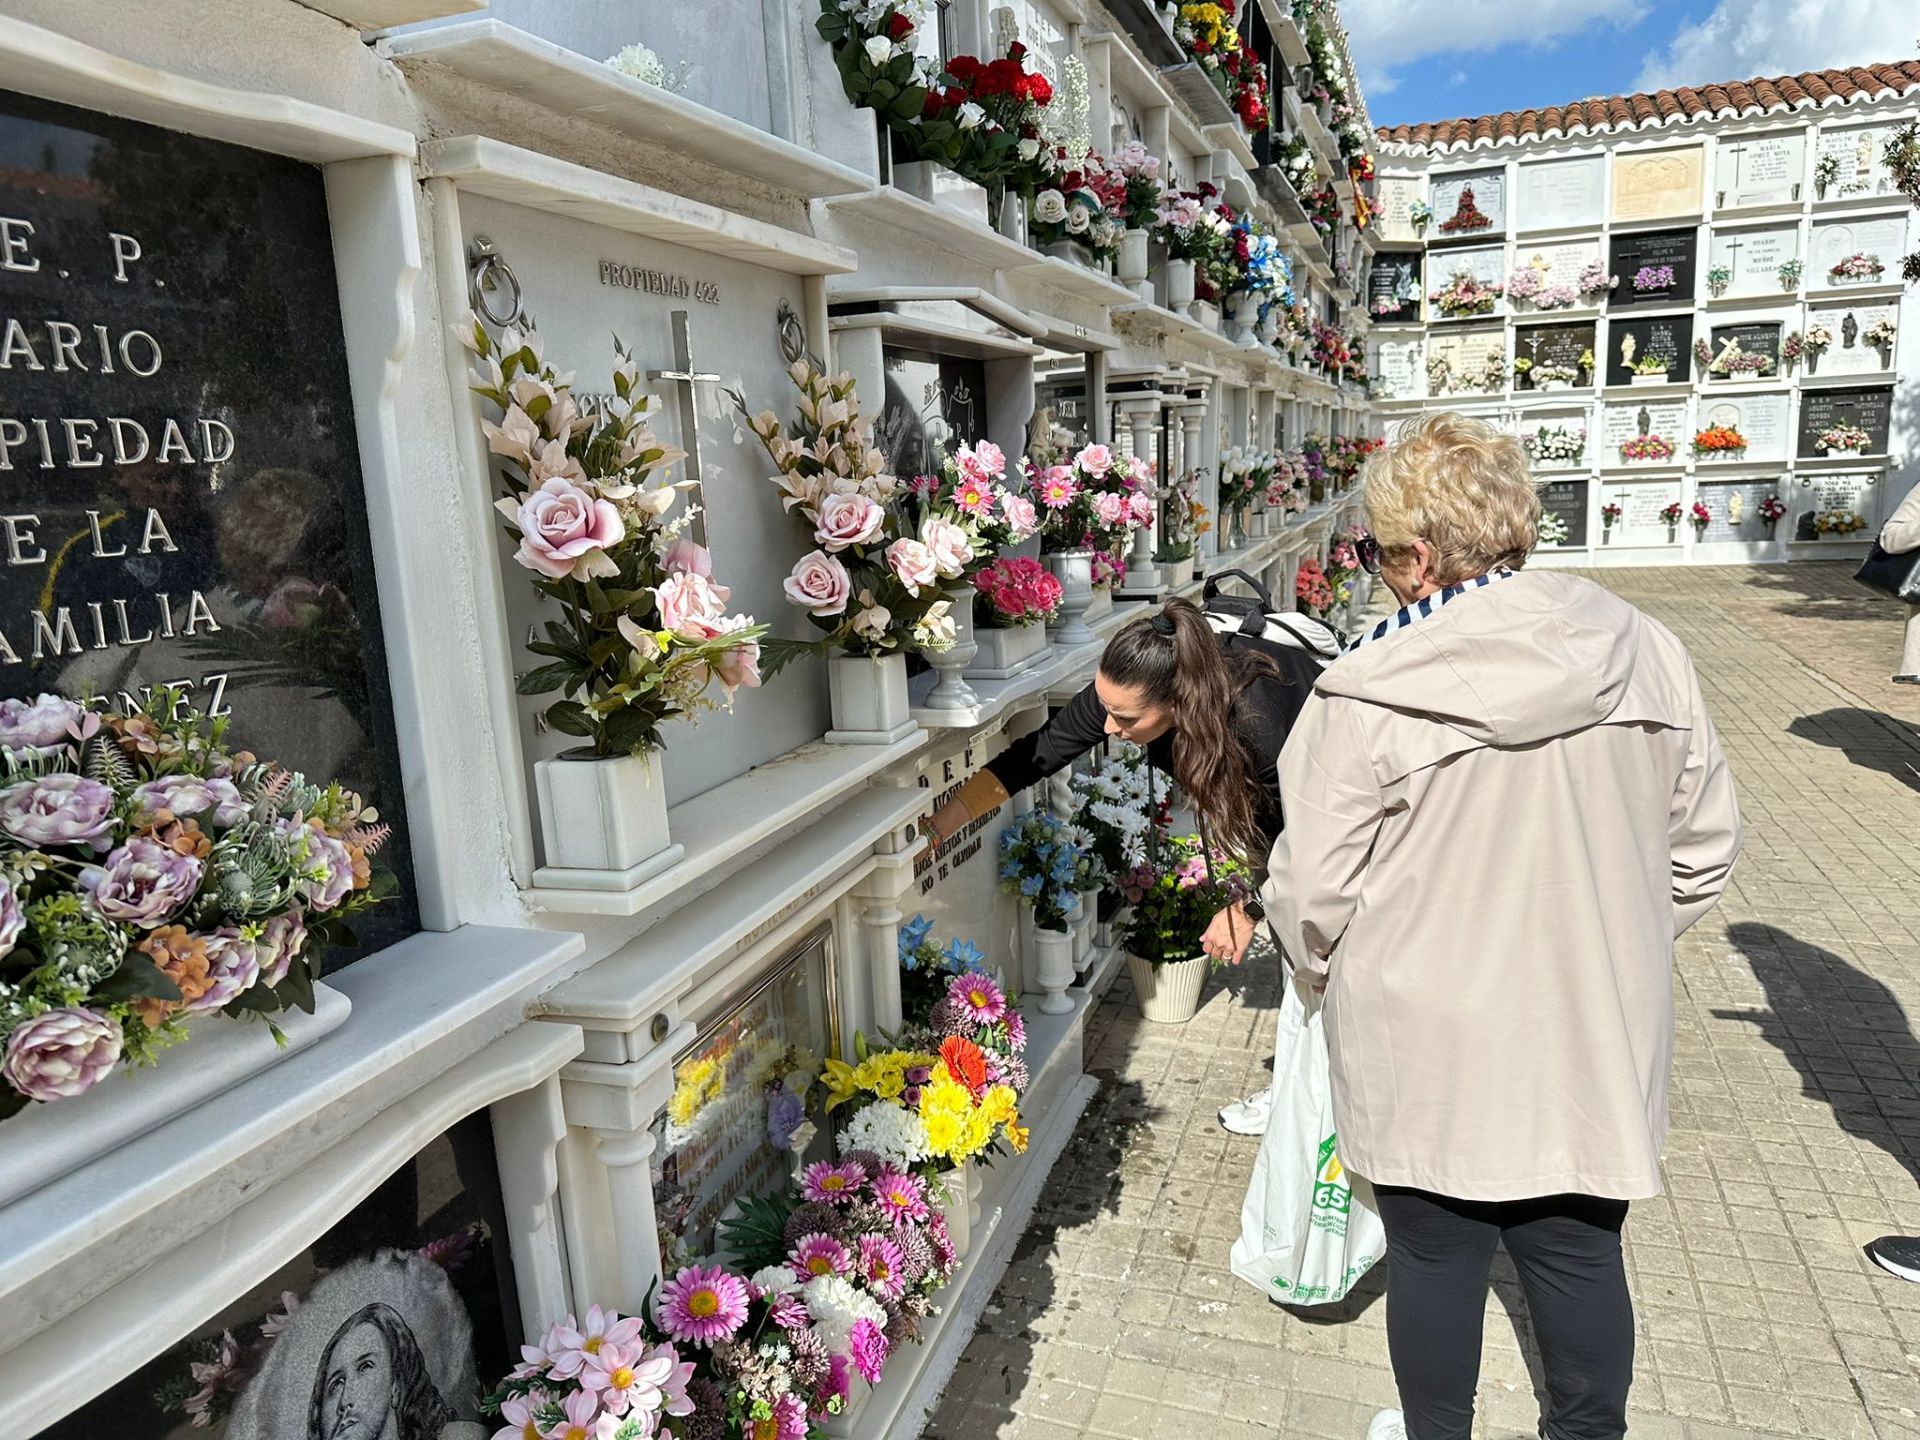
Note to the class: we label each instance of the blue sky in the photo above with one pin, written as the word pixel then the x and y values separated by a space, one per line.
pixel 1438 59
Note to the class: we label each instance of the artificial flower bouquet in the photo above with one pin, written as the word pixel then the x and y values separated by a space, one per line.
pixel 1838 522
pixel 1070 209
pixel 1467 215
pixel 1818 339
pixel 1138 171
pixel 1772 509
pixel 1528 286
pixel 1094 503
pixel 1556 445
pixel 1185 522
pixel 149 874
pixel 1190 228
pixel 1465 294
pixel 927 969
pixel 1109 569
pixel 1594 280
pixel 1647 449
pixel 1790 273
pixel 1880 334
pixel 1553 529
pixel 645 629
pixel 1700 515
pixel 1855 268
pixel 1240 480
pixel 1043 860
pixel 1312 594
pixel 1287 491
pixel 1609 514
pixel 1175 897
pixel 1843 437
pixel 1649 278
pixel 1671 514
pixel 1650 365
pixel 1719 277
pixel 1117 803
pixel 1793 348
pixel 969 494
pixel 934 1101
pixel 1016 591
pixel 1722 440
pixel 870 585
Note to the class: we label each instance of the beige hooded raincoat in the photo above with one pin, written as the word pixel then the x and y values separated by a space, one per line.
pixel 1498 820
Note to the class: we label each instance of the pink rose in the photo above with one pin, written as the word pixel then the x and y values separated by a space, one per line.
pixel 1142 505
pixel 819 584
pixel 1139 471
pixel 991 459
pixel 740 665
pixel 849 520
pixel 948 544
pixel 912 565
pixel 690 604
pixel 565 531
pixel 1095 459
pixel 1112 509
pixel 688 556
pixel 1020 515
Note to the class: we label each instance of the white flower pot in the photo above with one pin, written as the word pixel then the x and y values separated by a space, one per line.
pixel 1072 251
pixel 1257 523
pixel 951 691
pixel 1004 653
pixel 1168 994
pixel 1660 379
pixel 1053 967
pixel 1102 605
pixel 1175 573
pixel 1852 452
pixel 1205 314
pixel 1074 570
pixel 943 188
pixel 1013 217
pixel 1556 384
pixel 1083 930
pixel 1133 258
pixel 950 1195
pixel 603 820
pixel 1179 285
pixel 869 700
pixel 1270 325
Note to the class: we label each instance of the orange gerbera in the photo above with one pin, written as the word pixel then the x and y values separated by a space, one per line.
pixel 967 1063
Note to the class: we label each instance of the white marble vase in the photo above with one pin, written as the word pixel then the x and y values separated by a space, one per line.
pixel 869 696
pixel 1004 652
pixel 1053 968
pixel 943 188
pixel 1131 262
pixel 605 815
pixel 1074 570
pixel 951 691
pixel 1179 279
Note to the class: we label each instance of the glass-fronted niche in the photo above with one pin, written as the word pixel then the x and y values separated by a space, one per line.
pixel 745 1109
pixel 385 1328
pixel 1061 422
pixel 934 404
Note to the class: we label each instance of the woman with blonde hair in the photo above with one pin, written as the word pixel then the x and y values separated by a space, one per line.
pixel 1504 804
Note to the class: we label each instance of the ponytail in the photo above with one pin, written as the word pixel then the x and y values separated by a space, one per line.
pixel 1175 661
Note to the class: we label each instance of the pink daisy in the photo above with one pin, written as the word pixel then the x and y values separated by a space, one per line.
pixel 977 997
pixel 1016 1030
pixel 573 1344
pixel 819 1254
pixel 673 1381
pixel 703 1305
pixel 882 1266
pixel 579 1412
pixel 789 1312
pixel 519 1411
pixel 869 1350
pixel 788 1421
pixel 1057 488
pixel 627 1379
pixel 829 1184
pixel 975 496
pixel 901 1195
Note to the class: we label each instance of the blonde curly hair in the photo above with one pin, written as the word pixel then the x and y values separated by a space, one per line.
pixel 1460 485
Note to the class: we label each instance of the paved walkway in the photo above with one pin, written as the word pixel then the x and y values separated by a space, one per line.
pixel 1796 1109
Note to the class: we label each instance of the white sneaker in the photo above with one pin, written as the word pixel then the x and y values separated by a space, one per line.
pixel 1388 1425
pixel 1248 1116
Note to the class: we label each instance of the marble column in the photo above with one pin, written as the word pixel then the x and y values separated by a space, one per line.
pixel 1140 417
pixel 624 1155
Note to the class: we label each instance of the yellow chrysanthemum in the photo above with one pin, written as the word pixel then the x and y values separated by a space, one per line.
pixel 1017 1136
pixel 943 1133
pixel 999 1104
pixel 697 1073
pixel 684 1105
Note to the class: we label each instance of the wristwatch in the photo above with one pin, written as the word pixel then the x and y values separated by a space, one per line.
pixel 1255 910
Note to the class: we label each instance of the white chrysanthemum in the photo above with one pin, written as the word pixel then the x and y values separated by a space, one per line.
pixel 837 1307
pixel 776 1280
pixel 889 1131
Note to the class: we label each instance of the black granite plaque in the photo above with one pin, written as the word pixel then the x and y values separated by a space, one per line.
pixel 411 1293
pixel 1754 339
pixel 1653 250
pixel 183 500
pixel 1568 500
pixel 1665 337
pixel 1393 288
pixel 933 403
pixel 1870 409
pixel 1550 347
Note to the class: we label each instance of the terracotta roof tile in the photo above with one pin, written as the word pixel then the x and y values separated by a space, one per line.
pixel 1766 93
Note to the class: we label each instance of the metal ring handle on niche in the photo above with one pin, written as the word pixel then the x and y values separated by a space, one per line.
pixel 487 272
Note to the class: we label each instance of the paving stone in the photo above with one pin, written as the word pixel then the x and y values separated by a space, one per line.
pixel 1795 1139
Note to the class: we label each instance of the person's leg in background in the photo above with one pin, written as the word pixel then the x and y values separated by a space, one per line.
pixel 1909 672
pixel 1567 1250
pixel 1439 1254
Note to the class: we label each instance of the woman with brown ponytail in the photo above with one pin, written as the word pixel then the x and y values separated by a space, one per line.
pixel 1211 710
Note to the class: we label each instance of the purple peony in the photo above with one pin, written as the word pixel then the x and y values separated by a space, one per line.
pixel 60 1053
pixel 233 965
pixel 215 802
pixel 58 810
pixel 142 883
pixel 44 723
pixel 280 945
pixel 12 922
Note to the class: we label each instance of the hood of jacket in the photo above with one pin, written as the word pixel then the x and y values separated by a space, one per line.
pixel 1525 660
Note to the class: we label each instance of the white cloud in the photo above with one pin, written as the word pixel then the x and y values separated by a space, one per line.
pixel 1390 34
pixel 1744 38
pixel 1456 79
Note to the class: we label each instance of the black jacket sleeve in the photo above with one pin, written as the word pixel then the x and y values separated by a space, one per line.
pixel 1080 725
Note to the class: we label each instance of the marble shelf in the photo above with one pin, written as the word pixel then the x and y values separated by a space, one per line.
pixel 1076 280
pixel 1320 138
pixel 385 14
pixel 1286 33
pixel 1190 83
pixel 730 819
pixel 1232 138
pixel 511 61
pixel 894 209
pixel 1893 289
pixel 1861 379
pixel 998 697
pixel 947 339
pixel 500 171
pixel 1143 27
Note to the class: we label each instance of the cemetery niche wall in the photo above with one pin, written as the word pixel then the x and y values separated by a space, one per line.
pixel 184 502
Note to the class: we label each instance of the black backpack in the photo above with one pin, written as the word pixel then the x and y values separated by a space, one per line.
pixel 1252 621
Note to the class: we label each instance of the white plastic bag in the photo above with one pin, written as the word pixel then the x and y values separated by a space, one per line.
pixel 1308 1230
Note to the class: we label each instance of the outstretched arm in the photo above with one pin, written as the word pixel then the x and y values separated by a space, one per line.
pixel 1080 725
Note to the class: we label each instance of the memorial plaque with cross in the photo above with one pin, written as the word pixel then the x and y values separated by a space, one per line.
pixel 1760 170
pixel 689 379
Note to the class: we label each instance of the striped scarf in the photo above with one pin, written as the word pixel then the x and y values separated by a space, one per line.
pixel 1420 609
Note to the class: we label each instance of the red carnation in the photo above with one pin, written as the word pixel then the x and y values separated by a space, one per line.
pixel 1003 77
pixel 898 26
pixel 1039 89
pixel 965 69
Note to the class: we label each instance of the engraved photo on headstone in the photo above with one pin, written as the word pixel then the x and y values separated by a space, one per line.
pixel 1559 194
pixel 1759 169
pixel 184 499
pixel 934 404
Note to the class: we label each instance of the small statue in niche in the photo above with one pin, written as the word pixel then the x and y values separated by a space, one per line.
pixel 1627 346
pixel 1736 507
pixel 1645 420
pixel 1849 331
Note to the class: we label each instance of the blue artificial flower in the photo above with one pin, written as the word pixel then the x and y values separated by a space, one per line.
pixel 914 934
pixel 965 955
pixel 784 1114
pixel 1030 886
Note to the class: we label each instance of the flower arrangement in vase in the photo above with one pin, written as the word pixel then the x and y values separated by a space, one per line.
pixel 1651 449
pixel 1838 522
pixel 1843 439
pixel 1670 515
pixel 1818 340
pixel 1553 377
pixel 968 494
pixel 1116 808
pixel 1650 278
pixel 1419 216
pixel 1826 170
pixel 1793 349
pixel 1771 510
pixel 1174 898
pixel 1047 863
pixel 1718 278
pixel 1312 592
pixel 1465 294
pixel 1556 445
pixel 1700 517
pixel 148 875
pixel 1594 281
pixel 1553 529
pixel 927 969
pixel 1879 336
pixel 1211 39
pixel 1651 370
pixel 1015 592
pixel 1790 272
pixel 1528 286
pixel 1857 268
pixel 1719 442
pixel 1610 514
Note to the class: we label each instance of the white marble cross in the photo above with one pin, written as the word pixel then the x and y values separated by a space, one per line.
pixel 691 379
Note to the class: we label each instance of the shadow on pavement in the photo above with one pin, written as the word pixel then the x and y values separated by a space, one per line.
pixel 1869 739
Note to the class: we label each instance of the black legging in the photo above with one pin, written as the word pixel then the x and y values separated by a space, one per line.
pixel 1567 1250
